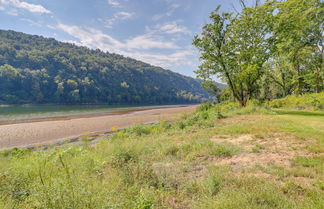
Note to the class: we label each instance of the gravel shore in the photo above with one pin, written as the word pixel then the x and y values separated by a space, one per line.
pixel 42 132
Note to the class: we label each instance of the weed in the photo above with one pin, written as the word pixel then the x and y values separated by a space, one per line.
pixel 223 149
pixel 309 161
pixel 257 148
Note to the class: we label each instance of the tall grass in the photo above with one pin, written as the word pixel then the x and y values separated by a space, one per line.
pixel 163 165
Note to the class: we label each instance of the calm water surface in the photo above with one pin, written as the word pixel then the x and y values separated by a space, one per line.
pixel 13 114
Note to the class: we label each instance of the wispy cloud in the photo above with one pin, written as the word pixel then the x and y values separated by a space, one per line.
pixel 31 22
pixel 165 60
pixel 114 3
pixel 138 47
pixel 149 41
pixel 34 8
pixel 12 12
pixel 97 39
pixel 119 16
pixel 170 10
pixel 172 28
pixel 92 38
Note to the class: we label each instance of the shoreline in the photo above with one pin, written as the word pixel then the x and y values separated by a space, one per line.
pixel 42 133
pixel 119 111
pixel 92 137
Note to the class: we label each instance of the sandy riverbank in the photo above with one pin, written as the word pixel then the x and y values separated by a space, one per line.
pixel 33 133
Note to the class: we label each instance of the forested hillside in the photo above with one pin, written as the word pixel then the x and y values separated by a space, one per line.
pixel 34 69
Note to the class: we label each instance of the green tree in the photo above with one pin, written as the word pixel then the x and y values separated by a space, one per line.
pixel 235 49
pixel 299 32
pixel 212 89
pixel 280 74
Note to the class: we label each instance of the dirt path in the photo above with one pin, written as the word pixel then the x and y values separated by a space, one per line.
pixel 28 134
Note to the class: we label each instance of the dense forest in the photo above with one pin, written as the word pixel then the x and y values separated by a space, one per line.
pixel 34 69
pixel 265 51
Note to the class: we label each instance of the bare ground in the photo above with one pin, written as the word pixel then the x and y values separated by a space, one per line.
pixel 279 149
pixel 43 132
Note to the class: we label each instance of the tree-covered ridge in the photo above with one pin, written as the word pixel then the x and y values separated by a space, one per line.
pixel 34 69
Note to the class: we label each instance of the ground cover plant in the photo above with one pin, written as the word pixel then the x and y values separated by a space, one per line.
pixel 217 157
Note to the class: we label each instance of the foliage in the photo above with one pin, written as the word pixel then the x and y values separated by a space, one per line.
pixel 308 101
pixel 34 69
pixel 234 50
pixel 266 51
pixel 299 34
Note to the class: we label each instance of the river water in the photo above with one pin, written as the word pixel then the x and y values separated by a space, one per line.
pixel 26 113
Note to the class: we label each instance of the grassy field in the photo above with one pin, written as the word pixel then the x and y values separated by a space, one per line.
pixel 218 157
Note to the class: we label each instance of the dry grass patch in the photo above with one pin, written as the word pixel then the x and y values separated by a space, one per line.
pixel 278 149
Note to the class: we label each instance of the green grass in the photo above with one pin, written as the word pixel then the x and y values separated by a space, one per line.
pixel 176 165
pixel 257 148
pixel 298 112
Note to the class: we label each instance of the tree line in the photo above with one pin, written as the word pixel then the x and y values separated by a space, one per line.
pixel 34 69
pixel 265 51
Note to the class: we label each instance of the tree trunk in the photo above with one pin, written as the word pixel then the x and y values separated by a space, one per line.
pixel 319 81
pixel 299 80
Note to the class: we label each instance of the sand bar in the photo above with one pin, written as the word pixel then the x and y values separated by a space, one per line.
pixel 42 132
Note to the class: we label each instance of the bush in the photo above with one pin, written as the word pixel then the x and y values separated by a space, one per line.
pixel 206 106
pixel 138 130
pixel 313 101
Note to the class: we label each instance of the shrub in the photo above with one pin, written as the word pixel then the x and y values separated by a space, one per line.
pixel 138 130
pixel 223 149
pixel 121 157
pixel 206 106
pixel 313 101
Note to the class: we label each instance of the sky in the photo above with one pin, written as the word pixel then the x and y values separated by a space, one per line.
pixel 158 32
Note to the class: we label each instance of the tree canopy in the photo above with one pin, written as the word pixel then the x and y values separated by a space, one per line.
pixel 34 69
pixel 265 51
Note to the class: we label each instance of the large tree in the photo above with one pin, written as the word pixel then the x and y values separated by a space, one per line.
pixel 235 47
pixel 299 33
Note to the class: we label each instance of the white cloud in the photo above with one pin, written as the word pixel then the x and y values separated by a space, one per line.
pixel 149 41
pixel 124 15
pixel 138 47
pixel 114 3
pixel 97 39
pixel 92 38
pixel 119 16
pixel 165 60
pixel 172 28
pixel 35 8
pixel 73 42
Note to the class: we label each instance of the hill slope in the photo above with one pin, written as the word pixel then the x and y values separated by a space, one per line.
pixel 34 69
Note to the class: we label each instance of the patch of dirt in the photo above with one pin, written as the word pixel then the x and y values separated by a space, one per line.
pixel 180 168
pixel 278 149
pixel 241 119
pixel 197 171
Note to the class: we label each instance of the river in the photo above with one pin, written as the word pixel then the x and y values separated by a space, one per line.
pixel 10 114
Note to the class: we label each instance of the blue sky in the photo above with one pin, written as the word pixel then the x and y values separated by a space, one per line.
pixel 158 32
